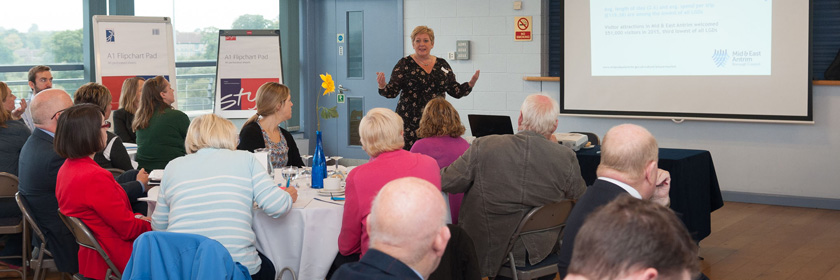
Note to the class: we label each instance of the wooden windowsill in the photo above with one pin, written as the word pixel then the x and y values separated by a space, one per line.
pixel 557 79
pixel 541 79
pixel 826 83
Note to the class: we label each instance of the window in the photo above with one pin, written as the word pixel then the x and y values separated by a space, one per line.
pixel 196 27
pixel 27 38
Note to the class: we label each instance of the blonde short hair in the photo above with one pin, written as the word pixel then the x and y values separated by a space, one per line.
pixel 380 131
pixel 210 131
pixel 422 29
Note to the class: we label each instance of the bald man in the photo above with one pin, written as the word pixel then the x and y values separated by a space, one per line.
pixel 408 233
pixel 629 166
pixel 38 167
pixel 505 176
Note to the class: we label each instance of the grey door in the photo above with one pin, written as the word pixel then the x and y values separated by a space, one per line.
pixel 372 41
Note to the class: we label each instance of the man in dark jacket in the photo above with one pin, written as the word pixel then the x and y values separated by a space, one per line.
pixel 408 233
pixel 629 166
pixel 38 168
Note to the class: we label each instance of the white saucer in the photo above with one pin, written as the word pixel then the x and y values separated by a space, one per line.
pixel 338 192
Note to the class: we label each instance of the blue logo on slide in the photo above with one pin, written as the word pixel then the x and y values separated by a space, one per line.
pixel 109 35
pixel 720 57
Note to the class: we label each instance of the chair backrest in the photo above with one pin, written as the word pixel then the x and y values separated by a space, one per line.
pixel 592 137
pixel 27 214
pixel 115 171
pixel 542 218
pixel 84 237
pixel 8 185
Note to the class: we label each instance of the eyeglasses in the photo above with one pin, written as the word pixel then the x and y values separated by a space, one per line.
pixel 58 113
pixel 107 124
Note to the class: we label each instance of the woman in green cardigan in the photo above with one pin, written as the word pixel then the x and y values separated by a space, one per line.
pixel 161 130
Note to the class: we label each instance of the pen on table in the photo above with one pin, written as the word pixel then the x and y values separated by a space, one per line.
pixel 336 198
pixel 330 202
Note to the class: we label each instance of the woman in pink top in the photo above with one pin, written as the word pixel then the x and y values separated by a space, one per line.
pixel 441 130
pixel 382 139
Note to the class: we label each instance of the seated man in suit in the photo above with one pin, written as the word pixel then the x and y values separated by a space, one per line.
pixel 408 233
pixel 631 238
pixel 629 158
pixel 38 167
pixel 505 176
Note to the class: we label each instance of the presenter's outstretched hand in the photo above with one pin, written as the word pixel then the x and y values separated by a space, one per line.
pixel 474 78
pixel 380 79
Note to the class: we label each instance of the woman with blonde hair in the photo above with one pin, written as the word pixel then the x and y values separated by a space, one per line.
pixel 274 106
pixel 129 101
pixel 441 130
pixel 212 189
pixel 382 139
pixel 160 128
pixel 418 78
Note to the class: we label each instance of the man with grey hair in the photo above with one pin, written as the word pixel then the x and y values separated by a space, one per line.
pixel 40 79
pixel 505 176
pixel 408 233
pixel 629 166
pixel 38 168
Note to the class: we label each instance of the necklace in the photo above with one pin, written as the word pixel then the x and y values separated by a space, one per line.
pixel 424 63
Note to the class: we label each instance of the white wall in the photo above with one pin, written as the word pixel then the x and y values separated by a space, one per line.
pixel 766 159
pixel 488 25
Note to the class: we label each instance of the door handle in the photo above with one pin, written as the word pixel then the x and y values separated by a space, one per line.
pixel 342 89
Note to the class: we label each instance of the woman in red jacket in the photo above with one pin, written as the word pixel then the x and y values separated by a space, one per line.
pixel 90 193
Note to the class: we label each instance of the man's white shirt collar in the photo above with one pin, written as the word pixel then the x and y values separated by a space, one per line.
pixel 624 186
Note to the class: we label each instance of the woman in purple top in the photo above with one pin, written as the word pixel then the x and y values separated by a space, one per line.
pixel 441 130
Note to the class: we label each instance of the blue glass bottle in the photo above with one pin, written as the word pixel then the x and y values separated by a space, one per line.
pixel 319 164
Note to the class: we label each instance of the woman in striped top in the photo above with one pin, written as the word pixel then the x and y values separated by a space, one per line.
pixel 212 189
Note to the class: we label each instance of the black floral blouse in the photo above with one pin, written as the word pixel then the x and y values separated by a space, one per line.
pixel 416 87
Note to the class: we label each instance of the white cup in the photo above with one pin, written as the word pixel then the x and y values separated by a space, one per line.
pixel 332 184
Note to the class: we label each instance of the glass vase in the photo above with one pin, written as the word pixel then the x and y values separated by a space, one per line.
pixel 319 164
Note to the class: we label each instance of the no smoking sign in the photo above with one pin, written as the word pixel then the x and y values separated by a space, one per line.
pixel 522 29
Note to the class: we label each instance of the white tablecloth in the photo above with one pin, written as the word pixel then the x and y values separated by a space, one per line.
pixel 305 239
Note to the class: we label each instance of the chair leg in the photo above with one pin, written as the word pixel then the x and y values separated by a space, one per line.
pixel 40 271
pixel 512 266
pixel 24 256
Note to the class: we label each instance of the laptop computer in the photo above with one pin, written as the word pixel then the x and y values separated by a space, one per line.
pixel 482 125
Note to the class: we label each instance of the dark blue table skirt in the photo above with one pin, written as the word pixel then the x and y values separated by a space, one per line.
pixel 695 192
